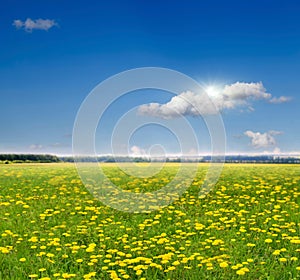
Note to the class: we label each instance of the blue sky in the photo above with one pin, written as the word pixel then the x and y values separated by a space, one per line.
pixel 48 67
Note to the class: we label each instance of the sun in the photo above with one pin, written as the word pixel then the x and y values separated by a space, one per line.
pixel 212 90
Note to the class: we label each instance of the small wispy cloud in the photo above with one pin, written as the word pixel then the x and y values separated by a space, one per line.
pixel 276 151
pixel 39 24
pixel 188 103
pixel 36 147
pixel 58 145
pixel 262 140
pixel 39 147
pixel 279 100
pixel 67 135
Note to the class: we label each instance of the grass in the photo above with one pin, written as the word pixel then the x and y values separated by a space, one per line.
pixel 248 227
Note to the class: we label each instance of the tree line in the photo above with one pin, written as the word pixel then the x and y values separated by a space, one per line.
pixel 20 158
pixel 45 158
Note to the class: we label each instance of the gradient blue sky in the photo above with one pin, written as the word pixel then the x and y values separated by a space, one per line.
pixel 46 74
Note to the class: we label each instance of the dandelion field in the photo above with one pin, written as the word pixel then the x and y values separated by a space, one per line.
pixel 247 227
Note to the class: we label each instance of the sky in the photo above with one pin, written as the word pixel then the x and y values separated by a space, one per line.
pixel 245 55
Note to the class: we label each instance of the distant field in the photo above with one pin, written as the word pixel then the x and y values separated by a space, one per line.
pixel 248 227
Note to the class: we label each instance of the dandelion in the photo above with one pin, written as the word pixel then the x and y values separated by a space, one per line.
pixel 223 264
pixel 68 275
pixel 89 275
pixel 276 253
pixel 139 272
pixel 240 272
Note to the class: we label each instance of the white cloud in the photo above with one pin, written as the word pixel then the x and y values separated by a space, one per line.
pixel 36 147
pixel 275 132
pixel 58 145
pixel 262 140
pixel 230 97
pixel 39 24
pixel 276 151
pixel 137 151
pixel 18 23
pixel 185 103
pixel 243 91
pixel 279 100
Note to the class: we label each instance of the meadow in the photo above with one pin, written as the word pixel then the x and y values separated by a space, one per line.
pixel 247 227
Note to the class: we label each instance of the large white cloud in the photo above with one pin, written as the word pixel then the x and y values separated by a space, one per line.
pixel 30 24
pixel 242 91
pixel 262 140
pixel 231 96
pixel 186 103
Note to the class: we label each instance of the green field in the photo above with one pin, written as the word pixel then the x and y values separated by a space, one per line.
pixel 247 227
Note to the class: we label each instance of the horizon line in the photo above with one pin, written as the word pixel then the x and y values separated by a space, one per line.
pixel 236 154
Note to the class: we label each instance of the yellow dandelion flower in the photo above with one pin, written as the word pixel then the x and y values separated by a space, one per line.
pixel 240 272
pixel 223 264
pixel 245 269
pixel 176 263
pixel 139 272
pixel 276 253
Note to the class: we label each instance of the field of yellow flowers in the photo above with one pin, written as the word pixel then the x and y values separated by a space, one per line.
pixel 247 227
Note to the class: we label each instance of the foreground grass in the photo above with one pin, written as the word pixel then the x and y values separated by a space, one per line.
pixel 52 228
